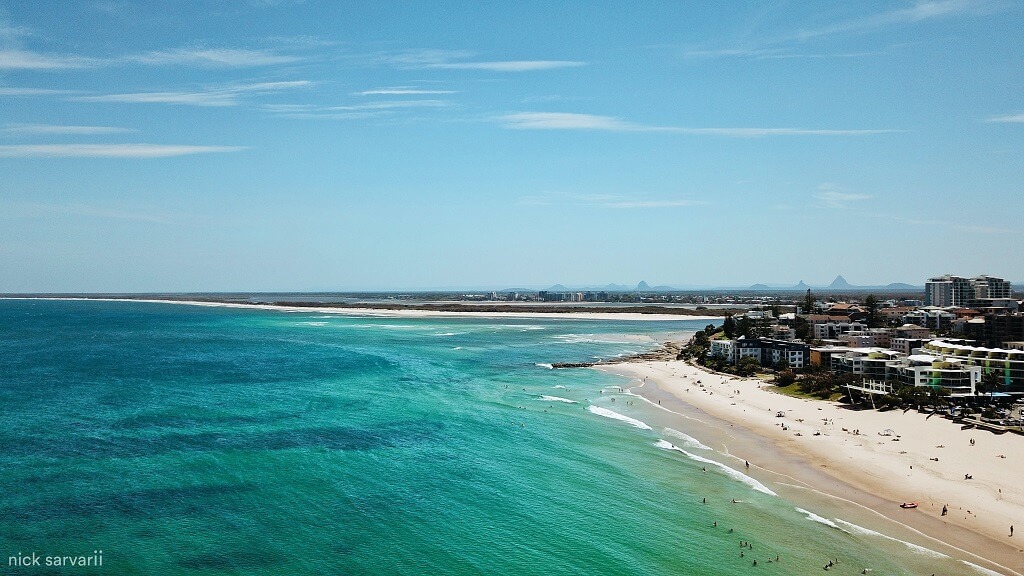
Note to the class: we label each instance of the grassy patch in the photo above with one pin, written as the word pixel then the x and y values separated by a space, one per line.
pixel 794 391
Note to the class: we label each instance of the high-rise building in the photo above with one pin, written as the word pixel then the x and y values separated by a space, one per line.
pixel 948 290
pixel 990 287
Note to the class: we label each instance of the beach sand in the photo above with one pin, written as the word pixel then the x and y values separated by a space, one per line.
pixel 819 450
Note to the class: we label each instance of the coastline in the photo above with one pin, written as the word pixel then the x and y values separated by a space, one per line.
pixel 398 313
pixel 873 474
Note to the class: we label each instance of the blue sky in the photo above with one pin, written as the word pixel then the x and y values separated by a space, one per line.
pixel 276 145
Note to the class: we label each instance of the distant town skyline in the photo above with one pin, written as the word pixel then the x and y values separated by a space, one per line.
pixel 277 145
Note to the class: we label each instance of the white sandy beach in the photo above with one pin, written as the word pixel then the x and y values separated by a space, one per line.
pixel 410 313
pixel 924 460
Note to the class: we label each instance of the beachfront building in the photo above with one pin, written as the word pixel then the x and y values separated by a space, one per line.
pixel 950 373
pixel 882 371
pixel 724 349
pixel 1005 363
pixel 767 351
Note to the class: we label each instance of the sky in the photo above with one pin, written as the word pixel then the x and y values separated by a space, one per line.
pixel 291 146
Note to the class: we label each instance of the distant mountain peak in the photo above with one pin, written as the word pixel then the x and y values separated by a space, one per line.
pixel 642 286
pixel 801 286
pixel 840 282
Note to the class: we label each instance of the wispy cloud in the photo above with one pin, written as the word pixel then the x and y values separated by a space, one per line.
pixel 1009 118
pixel 53 129
pixel 351 111
pixel 393 104
pixel 920 11
pixel 34 92
pixel 222 96
pixel 833 198
pixel 792 44
pixel 509 65
pixel 574 121
pixel 109 150
pixel 460 60
pixel 212 57
pixel 28 60
pixel 402 91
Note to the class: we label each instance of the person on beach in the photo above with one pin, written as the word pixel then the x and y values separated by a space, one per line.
pixel 1011 530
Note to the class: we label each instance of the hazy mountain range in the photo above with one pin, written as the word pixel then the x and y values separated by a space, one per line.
pixel 838 285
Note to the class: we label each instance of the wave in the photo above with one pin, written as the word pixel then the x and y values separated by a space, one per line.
pixel 586 339
pixel 557 399
pixel 812 516
pixel 523 327
pixel 548 366
pixel 868 532
pixel 616 416
pixel 560 386
pixel 447 333
pixel 734 474
pixel 313 323
pixel 688 441
pixel 982 569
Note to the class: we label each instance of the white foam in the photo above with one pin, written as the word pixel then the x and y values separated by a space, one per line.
pixel 523 327
pixel 867 531
pixel 559 385
pixel 616 416
pixel 734 474
pixel 812 516
pixel 548 366
pixel 982 569
pixel 557 399
pixel 688 441
pixel 586 339
pixel 447 333
pixel 313 323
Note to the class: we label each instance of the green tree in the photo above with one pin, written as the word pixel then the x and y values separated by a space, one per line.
pixel 747 366
pixel 871 303
pixel 729 326
pixel 785 378
pixel 744 327
pixel 990 382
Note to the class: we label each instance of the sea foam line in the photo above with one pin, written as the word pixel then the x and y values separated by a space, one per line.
pixel 867 531
pixel 982 569
pixel 688 441
pixel 545 365
pixel 821 520
pixel 616 416
pixel 734 474
pixel 556 399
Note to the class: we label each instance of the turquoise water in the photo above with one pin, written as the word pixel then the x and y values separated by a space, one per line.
pixel 192 440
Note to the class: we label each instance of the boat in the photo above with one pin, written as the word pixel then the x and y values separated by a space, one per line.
pixel 908 505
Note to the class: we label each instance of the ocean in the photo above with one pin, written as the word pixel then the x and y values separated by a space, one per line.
pixel 173 439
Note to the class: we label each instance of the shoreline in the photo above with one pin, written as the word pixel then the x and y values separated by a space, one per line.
pixel 869 473
pixel 397 313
